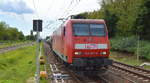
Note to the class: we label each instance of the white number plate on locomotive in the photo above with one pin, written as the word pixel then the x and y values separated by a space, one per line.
pixel 90 46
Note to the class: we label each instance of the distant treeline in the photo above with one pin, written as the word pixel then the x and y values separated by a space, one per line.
pixel 11 33
pixel 124 17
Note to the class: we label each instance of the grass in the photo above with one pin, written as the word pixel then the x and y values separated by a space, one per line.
pixel 124 49
pixel 127 58
pixel 17 66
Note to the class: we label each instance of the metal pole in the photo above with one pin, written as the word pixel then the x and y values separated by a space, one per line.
pixel 37 58
pixel 138 45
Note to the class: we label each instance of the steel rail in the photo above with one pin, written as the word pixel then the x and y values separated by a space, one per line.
pixel 129 70
pixel 141 69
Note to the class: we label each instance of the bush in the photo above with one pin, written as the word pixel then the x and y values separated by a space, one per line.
pixel 145 49
pixel 129 44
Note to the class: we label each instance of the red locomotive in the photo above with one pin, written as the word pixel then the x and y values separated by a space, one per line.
pixel 82 43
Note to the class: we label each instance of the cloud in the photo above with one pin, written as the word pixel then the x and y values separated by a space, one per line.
pixel 18 7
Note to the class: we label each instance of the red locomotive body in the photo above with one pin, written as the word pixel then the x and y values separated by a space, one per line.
pixel 82 42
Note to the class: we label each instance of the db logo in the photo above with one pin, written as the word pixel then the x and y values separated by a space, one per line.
pixel 89 39
pixel 91 46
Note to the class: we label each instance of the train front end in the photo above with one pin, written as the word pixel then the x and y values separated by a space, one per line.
pixel 90 43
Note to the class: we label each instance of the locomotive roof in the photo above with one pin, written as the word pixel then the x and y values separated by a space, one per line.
pixel 102 20
pixel 87 20
pixel 84 20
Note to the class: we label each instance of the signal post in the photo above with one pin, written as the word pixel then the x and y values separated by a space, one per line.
pixel 37 27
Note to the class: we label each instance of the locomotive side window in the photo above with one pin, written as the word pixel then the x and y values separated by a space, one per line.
pixel 64 31
pixel 81 29
pixel 97 29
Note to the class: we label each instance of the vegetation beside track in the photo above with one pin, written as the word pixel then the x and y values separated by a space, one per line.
pixel 129 45
pixel 127 58
pixel 18 66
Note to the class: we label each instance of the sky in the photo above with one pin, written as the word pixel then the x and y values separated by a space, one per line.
pixel 20 13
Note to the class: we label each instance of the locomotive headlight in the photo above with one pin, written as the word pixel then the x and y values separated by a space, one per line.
pixel 77 53
pixel 103 53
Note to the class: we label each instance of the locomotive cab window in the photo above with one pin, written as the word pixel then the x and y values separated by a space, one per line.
pixel 88 29
pixel 81 29
pixel 97 29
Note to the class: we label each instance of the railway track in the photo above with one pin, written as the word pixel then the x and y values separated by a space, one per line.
pixel 129 74
pixel 6 49
pixel 55 70
pixel 59 73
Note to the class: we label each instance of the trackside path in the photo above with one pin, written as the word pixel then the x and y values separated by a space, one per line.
pixel 6 49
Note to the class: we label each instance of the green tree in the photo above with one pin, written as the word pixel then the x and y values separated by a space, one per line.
pixel 21 36
pixel 124 17
pixel 2 29
pixel 143 20
pixel 9 33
